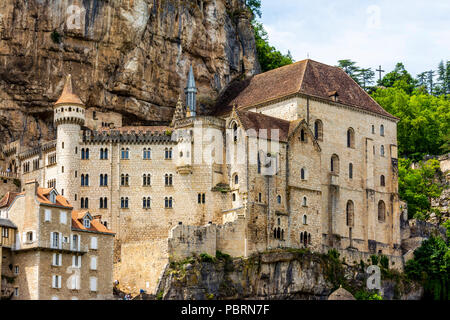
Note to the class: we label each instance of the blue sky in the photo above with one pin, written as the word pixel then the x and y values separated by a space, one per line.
pixel 371 33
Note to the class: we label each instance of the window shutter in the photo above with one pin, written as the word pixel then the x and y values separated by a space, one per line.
pixel 94 243
pixel 54 259
pixel 79 261
pixel 93 263
pixel 59 281
pixel 51 239
pixel 73 261
pixel 74 282
pixel 48 215
pixel 60 240
pixel 93 284
pixel 63 217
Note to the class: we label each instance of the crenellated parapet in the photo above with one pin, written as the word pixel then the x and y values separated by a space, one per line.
pixel 69 113
pixel 129 137
pixel 45 147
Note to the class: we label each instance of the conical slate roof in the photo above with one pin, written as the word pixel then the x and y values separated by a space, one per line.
pixel 68 96
pixel 341 294
pixel 191 79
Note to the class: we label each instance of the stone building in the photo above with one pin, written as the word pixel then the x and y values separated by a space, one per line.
pixel 55 252
pixel 300 156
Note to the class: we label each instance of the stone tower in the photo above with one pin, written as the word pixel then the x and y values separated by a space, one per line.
pixel 191 94
pixel 69 116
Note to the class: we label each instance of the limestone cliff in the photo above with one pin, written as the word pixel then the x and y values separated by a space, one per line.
pixel 279 274
pixel 130 56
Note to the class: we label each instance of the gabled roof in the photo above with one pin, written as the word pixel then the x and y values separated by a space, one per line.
pixel 96 225
pixel 8 198
pixel 68 96
pixel 307 77
pixel 7 223
pixel 341 294
pixel 43 194
pixel 257 121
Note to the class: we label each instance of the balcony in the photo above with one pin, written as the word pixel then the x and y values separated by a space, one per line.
pixel 334 179
pixel 48 246
pixel 184 169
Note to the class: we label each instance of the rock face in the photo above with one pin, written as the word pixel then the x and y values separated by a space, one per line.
pixel 272 275
pixel 130 56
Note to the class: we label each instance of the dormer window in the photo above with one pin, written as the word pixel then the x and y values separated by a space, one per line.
pixel 87 223
pixel 53 196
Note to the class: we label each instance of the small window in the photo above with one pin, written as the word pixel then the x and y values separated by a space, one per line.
pixel 382 181
pixel 16 269
pixel 373 129
pixel 350 170
pixel 302 135
pixel 382 150
pixel 87 223
pixel 304 202
pixel 236 179
pixel 234 196
pixel 303 174
pixel 350 138
pixel 382 130
pixel 381 211
pixel 260 197
pixel 279 199
pixel 305 219
pixel 318 130
pixel 168 202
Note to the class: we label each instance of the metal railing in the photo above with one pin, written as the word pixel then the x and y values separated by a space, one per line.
pixel 47 244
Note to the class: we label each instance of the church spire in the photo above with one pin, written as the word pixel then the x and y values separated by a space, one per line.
pixel 180 112
pixel 191 93
pixel 68 96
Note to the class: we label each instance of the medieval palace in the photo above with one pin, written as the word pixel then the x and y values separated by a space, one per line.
pixel 297 157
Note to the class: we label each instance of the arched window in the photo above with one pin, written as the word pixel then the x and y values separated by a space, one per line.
pixel 282 234
pixel 86 180
pixel 127 179
pixel 382 181
pixel 305 219
pixel 382 150
pixel 301 237
pixel 335 163
pixel 275 233
pixel 350 138
pixel 278 233
pixel 234 196
pixel 279 199
pixel 101 180
pixel 318 130
pixel 302 135
pixel 235 132
pixel 309 238
pixel 86 203
pixel 382 130
pixel 125 153
pixel 302 174
pixel 305 239
pixel 381 211
pixel 350 211
pixel 105 203
pixel 82 180
pixel 101 203
pixel 236 179
pixel 305 202
pixel 168 180
pixel 101 153
pixel 168 202
pixel 350 170
pixel 87 153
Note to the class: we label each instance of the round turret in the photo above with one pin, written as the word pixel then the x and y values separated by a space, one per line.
pixel 69 108
pixel 69 116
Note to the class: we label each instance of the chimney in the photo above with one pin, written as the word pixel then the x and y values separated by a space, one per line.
pixel 31 188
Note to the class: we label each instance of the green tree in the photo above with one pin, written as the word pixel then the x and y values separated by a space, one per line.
pixel 350 68
pixel 269 57
pixel 431 266
pixel 366 77
pixel 417 187
pixel 399 74
pixel 255 7
pixel 424 119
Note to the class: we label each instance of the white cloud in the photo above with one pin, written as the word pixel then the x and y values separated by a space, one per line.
pixel 371 33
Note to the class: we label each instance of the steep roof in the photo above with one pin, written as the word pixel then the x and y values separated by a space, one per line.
pixel 42 195
pixel 7 223
pixel 257 121
pixel 96 225
pixel 68 96
pixel 8 198
pixel 307 77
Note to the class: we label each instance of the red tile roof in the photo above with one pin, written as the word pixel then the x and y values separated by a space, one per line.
pixel 304 77
pixel 68 96
pixel 43 194
pixel 257 121
pixel 96 225
pixel 8 198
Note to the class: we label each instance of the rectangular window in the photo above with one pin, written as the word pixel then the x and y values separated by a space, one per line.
pixel 75 282
pixel 16 270
pixel 75 242
pixel 56 281
pixel 93 283
pixel 63 217
pixel 55 239
pixel 94 243
pixel 259 197
pixel 48 215
pixel 57 259
pixel 16 292
pixel 93 263
pixel 76 261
